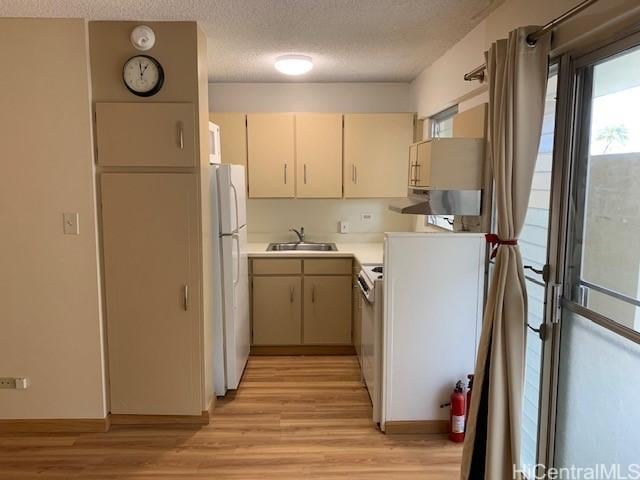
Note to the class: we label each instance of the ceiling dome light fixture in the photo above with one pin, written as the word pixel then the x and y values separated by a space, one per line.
pixel 294 64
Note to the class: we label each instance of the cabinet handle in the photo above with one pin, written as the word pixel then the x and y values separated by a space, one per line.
pixel 291 291
pixel 355 170
pixel 313 294
pixel 353 173
pixel 181 135
pixel 305 174
pixel 285 173
pixel 185 298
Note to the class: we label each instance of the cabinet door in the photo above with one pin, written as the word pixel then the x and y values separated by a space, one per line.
pixel 375 154
pixel 150 232
pixel 327 310
pixel 233 137
pixel 277 310
pixel 319 155
pixel 146 134
pixel 422 170
pixel 270 143
pixel 413 163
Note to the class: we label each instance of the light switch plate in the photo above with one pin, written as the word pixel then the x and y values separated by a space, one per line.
pixel 366 217
pixel 344 226
pixel 71 223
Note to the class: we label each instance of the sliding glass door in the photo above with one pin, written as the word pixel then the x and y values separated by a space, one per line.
pixel 593 381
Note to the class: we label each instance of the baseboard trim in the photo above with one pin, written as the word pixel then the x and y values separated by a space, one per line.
pixel 416 426
pixel 55 425
pixel 303 350
pixel 146 420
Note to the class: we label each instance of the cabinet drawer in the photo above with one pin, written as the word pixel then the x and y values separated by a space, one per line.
pixel 277 266
pixel 146 134
pixel 327 266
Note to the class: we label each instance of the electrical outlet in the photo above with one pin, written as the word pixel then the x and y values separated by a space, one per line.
pixel 11 383
pixel 8 382
pixel 366 217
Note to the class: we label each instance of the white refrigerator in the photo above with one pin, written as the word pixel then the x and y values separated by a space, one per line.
pixel 231 277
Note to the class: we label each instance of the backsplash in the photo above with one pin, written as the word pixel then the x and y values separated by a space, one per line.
pixel 269 220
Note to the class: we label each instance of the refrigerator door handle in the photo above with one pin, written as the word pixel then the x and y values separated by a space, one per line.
pixel 235 197
pixel 236 237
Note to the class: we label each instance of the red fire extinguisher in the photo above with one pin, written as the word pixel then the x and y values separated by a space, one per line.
pixel 469 388
pixel 457 413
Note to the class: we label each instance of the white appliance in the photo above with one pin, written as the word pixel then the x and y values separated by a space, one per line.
pixel 370 283
pixel 231 290
pixel 214 144
pixel 432 315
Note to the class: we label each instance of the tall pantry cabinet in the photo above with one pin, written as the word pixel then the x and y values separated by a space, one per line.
pixel 152 176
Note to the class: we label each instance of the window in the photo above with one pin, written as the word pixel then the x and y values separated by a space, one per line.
pixel 441 126
pixel 442 123
pixel 599 356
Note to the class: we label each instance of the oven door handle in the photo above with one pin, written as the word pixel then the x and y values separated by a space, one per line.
pixel 364 289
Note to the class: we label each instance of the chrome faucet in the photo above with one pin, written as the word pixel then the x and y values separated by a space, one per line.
pixel 299 233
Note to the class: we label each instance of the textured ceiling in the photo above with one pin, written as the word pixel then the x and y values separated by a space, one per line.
pixel 350 40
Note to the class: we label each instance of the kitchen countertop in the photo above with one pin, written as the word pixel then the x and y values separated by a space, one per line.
pixel 363 252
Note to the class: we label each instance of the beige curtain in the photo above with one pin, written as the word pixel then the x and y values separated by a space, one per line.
pixel 517 86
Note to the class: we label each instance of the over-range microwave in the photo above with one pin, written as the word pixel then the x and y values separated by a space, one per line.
pixel 214 143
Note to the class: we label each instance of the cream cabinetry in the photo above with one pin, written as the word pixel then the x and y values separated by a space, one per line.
pixel 375 154
pixel 318 155
pixel 233 137
pixel 447 164
pixel 301 301
pixel 145 135
pixel 149 227
pixel 271 158
pixel 276 310
pixel 327 310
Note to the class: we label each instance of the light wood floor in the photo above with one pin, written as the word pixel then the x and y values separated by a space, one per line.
pixel 293 418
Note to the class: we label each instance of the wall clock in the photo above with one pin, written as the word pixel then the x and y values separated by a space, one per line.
pixel 143 75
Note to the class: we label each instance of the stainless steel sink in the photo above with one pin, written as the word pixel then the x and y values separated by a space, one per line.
pixel 308 246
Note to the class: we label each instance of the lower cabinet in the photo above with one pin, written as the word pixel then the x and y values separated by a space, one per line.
pixel 312 307
pixel 327 310
pixel 277 310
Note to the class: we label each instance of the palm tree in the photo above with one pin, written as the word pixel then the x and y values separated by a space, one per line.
pixel 613 134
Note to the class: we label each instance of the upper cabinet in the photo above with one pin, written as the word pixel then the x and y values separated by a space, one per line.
pixel 318 155
pixel 146 135
pixel 233 137
pixel 447 164
pixel 471 123
pixel 375 154
pixel 270 138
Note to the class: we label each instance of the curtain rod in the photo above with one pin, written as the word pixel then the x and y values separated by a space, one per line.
pixel 479 72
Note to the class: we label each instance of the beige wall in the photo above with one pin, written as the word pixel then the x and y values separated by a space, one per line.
pixel 270 220
pixel 309 97
pixel 50 319
pixel 441 84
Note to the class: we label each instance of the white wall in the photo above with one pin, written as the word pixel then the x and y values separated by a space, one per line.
pixel 309 97
pixel 50 312
pixel 442 84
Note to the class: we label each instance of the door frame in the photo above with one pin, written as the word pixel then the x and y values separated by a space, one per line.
pixel 573 108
